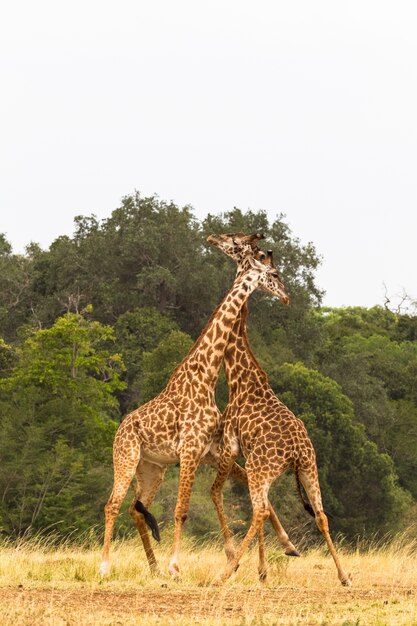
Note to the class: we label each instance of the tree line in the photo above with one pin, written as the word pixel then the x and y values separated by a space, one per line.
pixel 93 326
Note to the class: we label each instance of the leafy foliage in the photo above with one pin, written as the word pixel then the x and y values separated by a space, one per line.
pixel 138 332
pixel 159 364
pixel 58 409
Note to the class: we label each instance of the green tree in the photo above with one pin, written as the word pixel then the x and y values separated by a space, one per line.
pixel 8 358
pixel 348 321
pixel 58 419
pixel 137 332
pixel 159 364
pixel 361 350
pixel 142 256
pixel 15 292
pixel 401 440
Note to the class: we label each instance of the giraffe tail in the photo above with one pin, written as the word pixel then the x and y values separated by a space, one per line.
pixel 149 519
pixel 306 505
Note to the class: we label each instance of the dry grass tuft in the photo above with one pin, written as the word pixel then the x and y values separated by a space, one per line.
pixel 41 583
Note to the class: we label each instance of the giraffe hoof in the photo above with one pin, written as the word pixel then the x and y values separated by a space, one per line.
pixel 156 572
pixel 104 569
pixel 263 573
pixel 174 570
pixel 292 552
pixel 347 582
pixel 221 578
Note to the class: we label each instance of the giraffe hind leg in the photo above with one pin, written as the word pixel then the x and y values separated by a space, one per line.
pixel 309 480
pixel 149 519
pixel 307 506
pixel 149 478
pixel 125 461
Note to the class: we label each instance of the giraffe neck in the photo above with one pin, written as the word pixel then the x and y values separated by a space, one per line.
pixel 241 365
pixel 243 266
pixel 202 364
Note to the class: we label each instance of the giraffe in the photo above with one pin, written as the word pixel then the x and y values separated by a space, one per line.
pixel 270 437
pixel 178 425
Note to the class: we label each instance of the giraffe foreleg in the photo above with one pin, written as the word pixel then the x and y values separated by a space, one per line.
pixel 259 484
pixel 125 461
pixel 262 565
pixel 188 468
pixel 289 547
pixel 239 473
pixel 260 513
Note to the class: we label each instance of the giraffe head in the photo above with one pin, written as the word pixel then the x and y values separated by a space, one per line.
pixel 238 246
pixel 244 250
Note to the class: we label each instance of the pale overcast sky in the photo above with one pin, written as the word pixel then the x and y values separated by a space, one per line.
pixel 301 107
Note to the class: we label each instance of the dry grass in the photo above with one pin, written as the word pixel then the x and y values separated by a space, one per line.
pixel 44 585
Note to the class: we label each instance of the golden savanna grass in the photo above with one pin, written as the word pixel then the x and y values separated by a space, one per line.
pixel 41 584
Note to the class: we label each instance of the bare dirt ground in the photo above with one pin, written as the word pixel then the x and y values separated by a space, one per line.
pixel 377 604
pixel 42 586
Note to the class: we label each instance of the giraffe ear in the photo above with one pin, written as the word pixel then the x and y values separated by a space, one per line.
pixel 256 262
pixel 256 237
pixel 269 260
